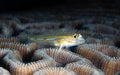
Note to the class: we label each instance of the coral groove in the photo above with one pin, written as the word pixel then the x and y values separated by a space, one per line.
pixel 105 57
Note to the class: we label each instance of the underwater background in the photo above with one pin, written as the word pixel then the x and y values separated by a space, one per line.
pixel 29 28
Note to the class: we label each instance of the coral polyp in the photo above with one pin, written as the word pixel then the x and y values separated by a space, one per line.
pixel 61 57
pixel 84 69
pixel 102 56
pixel 54 71
pixel 22 48
pixel 18 67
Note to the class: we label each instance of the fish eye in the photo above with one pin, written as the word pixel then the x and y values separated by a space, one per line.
pixel 74 36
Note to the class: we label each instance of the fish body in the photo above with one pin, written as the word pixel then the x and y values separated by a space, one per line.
pixel 60 40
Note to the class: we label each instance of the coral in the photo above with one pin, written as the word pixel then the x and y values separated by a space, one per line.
pixel 5 30
pixel 100 28
pixel 108 50
pixel 102 56
pixel 11 26
pixel 33 28
pixel 18 67
pixel 54 71
pixel 11 56
pixel 84 69
pixel 3 71
pixel 43 25
pixel 61 57
pixel 9 39
pixel 99 41
pixel 4 52
pixel 22 48
pixel 110 66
